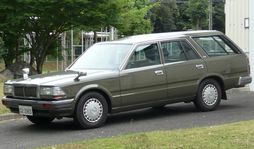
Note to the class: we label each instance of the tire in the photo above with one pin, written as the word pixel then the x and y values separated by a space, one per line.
pixel 91 111
pixel 208 95
pixel 40 120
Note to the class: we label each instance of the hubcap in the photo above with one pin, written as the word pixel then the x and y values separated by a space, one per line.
pixel 92 110
pixel 210 94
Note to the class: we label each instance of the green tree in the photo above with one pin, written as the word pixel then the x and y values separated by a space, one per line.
pixel 198 13
pixel 183 20
pixel 133 17
pixel 164 16
pixel 11 31
pixel 2 47
pixel 49 18
pixel 42 21
pixel 218 16
pixel 12 48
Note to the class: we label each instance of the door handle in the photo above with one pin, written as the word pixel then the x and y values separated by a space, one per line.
pixel 159 72
pixel 200 66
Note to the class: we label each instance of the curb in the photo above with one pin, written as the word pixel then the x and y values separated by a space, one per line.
pixel 10 116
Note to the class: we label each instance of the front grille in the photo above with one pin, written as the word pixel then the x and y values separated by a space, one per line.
pixel 18 91
pixel 25 91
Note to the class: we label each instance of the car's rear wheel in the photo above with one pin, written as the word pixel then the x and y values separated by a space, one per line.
pixel 91 110
pixel 208 95
pixel 40 120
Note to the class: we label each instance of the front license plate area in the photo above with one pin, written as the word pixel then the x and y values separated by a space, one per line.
pixel 25 110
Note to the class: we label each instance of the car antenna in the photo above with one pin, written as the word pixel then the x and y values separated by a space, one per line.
pixel 79 75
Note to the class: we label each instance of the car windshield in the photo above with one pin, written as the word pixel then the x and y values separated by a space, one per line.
pixel 102 56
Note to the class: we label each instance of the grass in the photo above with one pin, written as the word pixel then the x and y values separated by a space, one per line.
pixel 49 66
pixel 3 109
pixel 229 136
pixel 1 66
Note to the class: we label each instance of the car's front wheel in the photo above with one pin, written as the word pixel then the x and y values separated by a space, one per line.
pixel 91 110
pixel 208 95
pixel 40 120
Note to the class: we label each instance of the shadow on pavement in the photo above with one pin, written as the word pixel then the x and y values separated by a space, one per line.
pixel 170 111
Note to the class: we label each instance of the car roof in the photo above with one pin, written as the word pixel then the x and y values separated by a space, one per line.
pixel 160 36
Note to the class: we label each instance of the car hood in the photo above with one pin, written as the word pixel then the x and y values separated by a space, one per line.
pixel 57 78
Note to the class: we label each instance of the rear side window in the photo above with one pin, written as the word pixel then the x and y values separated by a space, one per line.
pixel 216 46
pixel 174 51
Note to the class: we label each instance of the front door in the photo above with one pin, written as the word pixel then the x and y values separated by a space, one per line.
pixel 144 79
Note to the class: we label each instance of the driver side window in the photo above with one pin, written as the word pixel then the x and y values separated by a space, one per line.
pixel 144 55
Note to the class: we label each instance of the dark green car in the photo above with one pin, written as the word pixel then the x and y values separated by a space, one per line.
pixel 135 72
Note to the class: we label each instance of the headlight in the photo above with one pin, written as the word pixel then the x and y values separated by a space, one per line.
pixel 46 91
pixel 54 92
pixel 8 89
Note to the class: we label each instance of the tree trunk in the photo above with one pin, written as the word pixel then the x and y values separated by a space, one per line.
pixel 64 53
pixel 41 43
pixel 42 54
pixel 39 66
pixel 17 51
pixel 7 62
pixel 31 59
pixel 40 58
pixel 198 24
pixel 94 37
pixel 8 58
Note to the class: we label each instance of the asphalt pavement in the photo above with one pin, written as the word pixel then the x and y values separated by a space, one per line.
pixel 21 133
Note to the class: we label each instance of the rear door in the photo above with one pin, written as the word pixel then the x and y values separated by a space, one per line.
pixel 144 79
pixel 183 67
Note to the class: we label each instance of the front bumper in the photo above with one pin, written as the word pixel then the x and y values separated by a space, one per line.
pixel 58 108
pixel 244 80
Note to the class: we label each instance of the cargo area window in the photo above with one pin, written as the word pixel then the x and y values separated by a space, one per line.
pixel 144 55
pixel 174 51
pixel 216 46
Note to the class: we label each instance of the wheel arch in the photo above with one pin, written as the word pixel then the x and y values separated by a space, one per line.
pixel 219 79
pixel 95 88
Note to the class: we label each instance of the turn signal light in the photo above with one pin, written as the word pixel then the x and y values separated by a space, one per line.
pixel 47 106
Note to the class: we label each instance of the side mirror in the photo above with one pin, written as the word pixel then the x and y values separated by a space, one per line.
pixel 79 75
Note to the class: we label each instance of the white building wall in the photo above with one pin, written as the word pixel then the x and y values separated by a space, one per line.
pixel 236 11
pixel 251 39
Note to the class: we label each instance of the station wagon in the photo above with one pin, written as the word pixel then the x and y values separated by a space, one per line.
pixel 140 71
